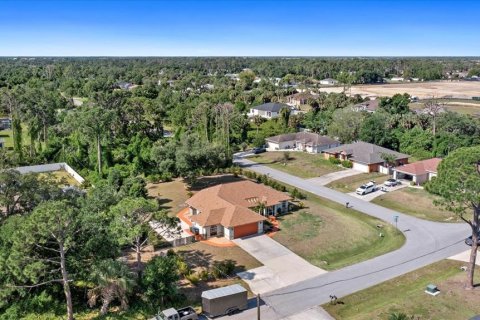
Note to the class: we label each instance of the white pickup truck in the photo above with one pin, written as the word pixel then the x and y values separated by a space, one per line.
pixel 366 188
pixel 187 313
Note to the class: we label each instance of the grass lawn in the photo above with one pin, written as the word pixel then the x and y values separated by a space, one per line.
pixel 8 138
pixel 301 164
pixel 331 237
pixel 350 184
pixel 172 194
pixel 424 208
pixel 62 177
pixel 406 294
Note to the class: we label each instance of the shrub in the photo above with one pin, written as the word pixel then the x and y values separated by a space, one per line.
pixel 222 269
pixel 193 278
pixel 183 267
pixel 154 178
pixel 334 160
pixel 166 177
pixel 347 164
pixel 204 275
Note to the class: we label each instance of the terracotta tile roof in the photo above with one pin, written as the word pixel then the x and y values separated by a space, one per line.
pixel 420 167
pixel 230 204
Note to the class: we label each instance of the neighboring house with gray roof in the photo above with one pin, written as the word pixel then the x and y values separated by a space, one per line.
pixel 268 110
pixel 301 141
pixel 367 157
pixel 369 106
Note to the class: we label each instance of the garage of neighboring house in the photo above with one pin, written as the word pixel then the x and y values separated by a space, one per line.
pixel 418 172
pixel 245 230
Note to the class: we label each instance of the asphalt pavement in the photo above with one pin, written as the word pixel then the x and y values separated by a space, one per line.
pixel 426 242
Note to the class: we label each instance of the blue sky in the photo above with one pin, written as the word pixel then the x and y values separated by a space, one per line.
pixel 239 28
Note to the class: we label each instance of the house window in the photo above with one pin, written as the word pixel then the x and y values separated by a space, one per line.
pixel 213 230
pixel 269 114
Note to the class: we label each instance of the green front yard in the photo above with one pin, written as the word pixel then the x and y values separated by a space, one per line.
pixel 331 237
pixel 405 294
pixel 301 164
pixel 402 201
pixel 350 184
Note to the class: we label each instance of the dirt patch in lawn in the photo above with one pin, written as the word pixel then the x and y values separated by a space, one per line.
pixel 401 200
pixel 350 184
pixel 405 294
pixel 300 164
pixel 201 256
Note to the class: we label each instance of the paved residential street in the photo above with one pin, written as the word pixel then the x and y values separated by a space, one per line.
pixel 426 243
pixel 278 263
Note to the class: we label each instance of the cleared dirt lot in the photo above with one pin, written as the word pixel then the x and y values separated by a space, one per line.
pixel 438 89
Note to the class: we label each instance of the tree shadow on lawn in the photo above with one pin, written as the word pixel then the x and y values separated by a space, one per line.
pixel 161 203
pixel 197 259
pixel 210 181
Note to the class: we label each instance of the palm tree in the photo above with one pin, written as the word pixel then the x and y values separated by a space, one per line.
pixel 258 120
pixel 113 280
pixel 398 316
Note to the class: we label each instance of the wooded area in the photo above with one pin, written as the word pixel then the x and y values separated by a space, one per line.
pixel 111 119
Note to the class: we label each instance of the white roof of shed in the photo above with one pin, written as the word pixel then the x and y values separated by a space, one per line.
pixel 224 291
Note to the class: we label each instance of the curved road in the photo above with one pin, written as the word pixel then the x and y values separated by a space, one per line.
pixel 426 243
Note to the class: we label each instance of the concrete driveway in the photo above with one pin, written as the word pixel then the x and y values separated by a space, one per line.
pixel 377 193
pixel 329 177
pixel 281 267
pixel 427 242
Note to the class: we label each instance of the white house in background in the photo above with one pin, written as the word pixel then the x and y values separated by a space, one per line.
pixel 367 157
pixel 397 79
pixel 268 110
pixel 328 82
pixel 301 141
pixel 419 171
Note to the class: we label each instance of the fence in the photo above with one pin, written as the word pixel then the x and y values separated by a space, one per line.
pixel 182 241
pixel 51 167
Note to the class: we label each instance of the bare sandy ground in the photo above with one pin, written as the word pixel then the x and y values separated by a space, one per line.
pixel 437 89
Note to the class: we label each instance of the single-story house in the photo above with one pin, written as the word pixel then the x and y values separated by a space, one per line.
pixel 300 99
pixel 367 157
pixel 268 110
pixel 419 171
pixel 328 82
pixel 369 106
pixel 235 209
pixel 303 141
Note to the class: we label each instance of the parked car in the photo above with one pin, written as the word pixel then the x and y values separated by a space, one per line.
pixel 187 313
pixel 259 150
pixel 366 188
pixel 469 241
pixel 391 183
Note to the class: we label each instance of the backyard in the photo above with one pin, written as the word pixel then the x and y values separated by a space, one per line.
pixel 401 200
pixel 331 237
pixel 300 164
pixel 405 294
pixel 350 184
